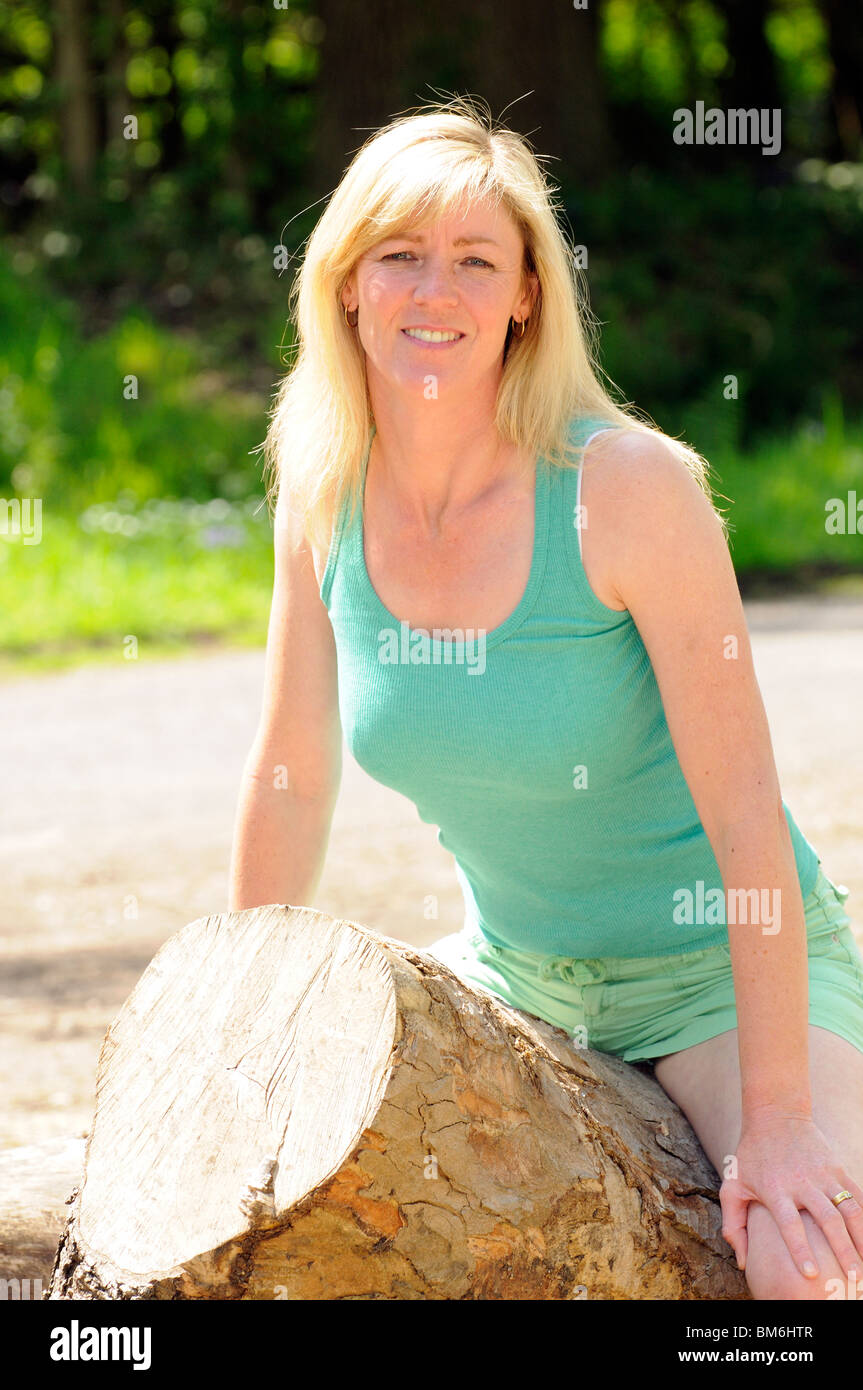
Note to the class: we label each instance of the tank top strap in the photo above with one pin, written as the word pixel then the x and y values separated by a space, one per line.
pixel 593 427
pixel 567 519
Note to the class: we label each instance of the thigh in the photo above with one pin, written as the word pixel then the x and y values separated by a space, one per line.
pixel 704 1081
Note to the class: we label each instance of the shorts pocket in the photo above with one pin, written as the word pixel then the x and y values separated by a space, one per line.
pixel 839 894
pixel 837 942
pixel 826 918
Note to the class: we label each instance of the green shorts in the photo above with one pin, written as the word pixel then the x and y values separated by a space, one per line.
pixel 642 1007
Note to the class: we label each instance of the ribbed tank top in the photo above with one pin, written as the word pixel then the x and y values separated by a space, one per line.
pixel 544 759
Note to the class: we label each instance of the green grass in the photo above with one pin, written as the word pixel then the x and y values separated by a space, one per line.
pixel 84 590
pixel 141 448
pixel 138 408
pixel 778 502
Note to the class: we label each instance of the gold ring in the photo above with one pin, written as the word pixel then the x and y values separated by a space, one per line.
pixel 841 1196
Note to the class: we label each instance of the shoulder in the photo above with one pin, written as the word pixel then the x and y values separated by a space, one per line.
pixel 646 514
pixel 628 461
pixel 643 476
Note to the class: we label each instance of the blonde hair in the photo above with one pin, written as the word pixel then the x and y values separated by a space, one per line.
pixel 416 170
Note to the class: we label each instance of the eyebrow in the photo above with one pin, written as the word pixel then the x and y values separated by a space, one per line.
pixel 459 241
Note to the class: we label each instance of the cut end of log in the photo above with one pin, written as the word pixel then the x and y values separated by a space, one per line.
pixel 240 1072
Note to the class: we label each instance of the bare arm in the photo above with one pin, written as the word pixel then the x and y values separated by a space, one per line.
pixel 292 773
pixel 667 561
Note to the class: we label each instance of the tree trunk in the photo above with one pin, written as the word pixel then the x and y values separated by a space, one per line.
pixel 116 94
pixel 751 81
pixel 539 72
pixel 844 22
pixel 78 116
pixel 290 1106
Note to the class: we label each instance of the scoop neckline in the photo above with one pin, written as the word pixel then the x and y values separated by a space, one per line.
pixel 534 578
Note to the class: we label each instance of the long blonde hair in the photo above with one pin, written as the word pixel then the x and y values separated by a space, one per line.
pixel 417 170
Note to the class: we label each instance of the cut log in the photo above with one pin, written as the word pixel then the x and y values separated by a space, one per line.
pixel 290 1106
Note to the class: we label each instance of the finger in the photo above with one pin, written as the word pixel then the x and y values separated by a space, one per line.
pixel 793 1232
pixel 852 1211
pixel 835 1226
pixel 735 1214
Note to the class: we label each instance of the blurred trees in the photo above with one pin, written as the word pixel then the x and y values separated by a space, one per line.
pixel 844 21
pixel 154 154
pixel 240 82
pixel 504 52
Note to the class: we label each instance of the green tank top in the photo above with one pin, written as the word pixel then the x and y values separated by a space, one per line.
pixel 540 750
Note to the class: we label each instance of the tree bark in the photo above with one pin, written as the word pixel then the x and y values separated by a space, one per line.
pixel 538 71
pixel 844 20
pixel 751 81
pixel 116 94
pixel 78 118
pixel 290 1106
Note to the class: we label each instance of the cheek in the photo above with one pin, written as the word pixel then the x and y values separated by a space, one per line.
pixel 382 291
pixel 486 301
pixel 377 293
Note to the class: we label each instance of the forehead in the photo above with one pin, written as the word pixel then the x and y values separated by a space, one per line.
pixel 481 219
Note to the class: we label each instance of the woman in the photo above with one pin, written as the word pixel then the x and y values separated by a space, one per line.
pixel 543 645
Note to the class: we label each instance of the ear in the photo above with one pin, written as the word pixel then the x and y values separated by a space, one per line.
pixel 347 294
pixel 528 301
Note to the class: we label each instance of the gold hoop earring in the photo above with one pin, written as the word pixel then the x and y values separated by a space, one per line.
pixel 352 324
pixel 520 324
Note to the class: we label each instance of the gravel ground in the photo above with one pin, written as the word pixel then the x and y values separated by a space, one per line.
pixel 118 807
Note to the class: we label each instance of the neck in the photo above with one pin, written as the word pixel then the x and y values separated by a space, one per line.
pixel 434 458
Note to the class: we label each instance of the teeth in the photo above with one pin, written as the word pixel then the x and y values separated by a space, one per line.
pixel 425 336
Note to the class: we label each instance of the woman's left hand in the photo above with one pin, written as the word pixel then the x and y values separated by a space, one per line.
pixel 785 1162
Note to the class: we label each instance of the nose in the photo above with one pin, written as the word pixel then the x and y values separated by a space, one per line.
pixel 435 282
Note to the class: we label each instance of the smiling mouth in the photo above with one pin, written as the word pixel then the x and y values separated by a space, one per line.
pixel 432 336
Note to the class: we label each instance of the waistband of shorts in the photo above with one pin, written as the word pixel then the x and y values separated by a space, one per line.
pixel 823 909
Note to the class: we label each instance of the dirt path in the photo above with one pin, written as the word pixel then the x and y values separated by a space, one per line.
pixel 118 803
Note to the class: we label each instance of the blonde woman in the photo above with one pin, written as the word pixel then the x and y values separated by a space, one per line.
pixel 516 600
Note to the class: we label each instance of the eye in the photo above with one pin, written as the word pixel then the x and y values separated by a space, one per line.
pixel 478 260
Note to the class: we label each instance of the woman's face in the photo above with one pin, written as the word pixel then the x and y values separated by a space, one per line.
pixel 461 278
